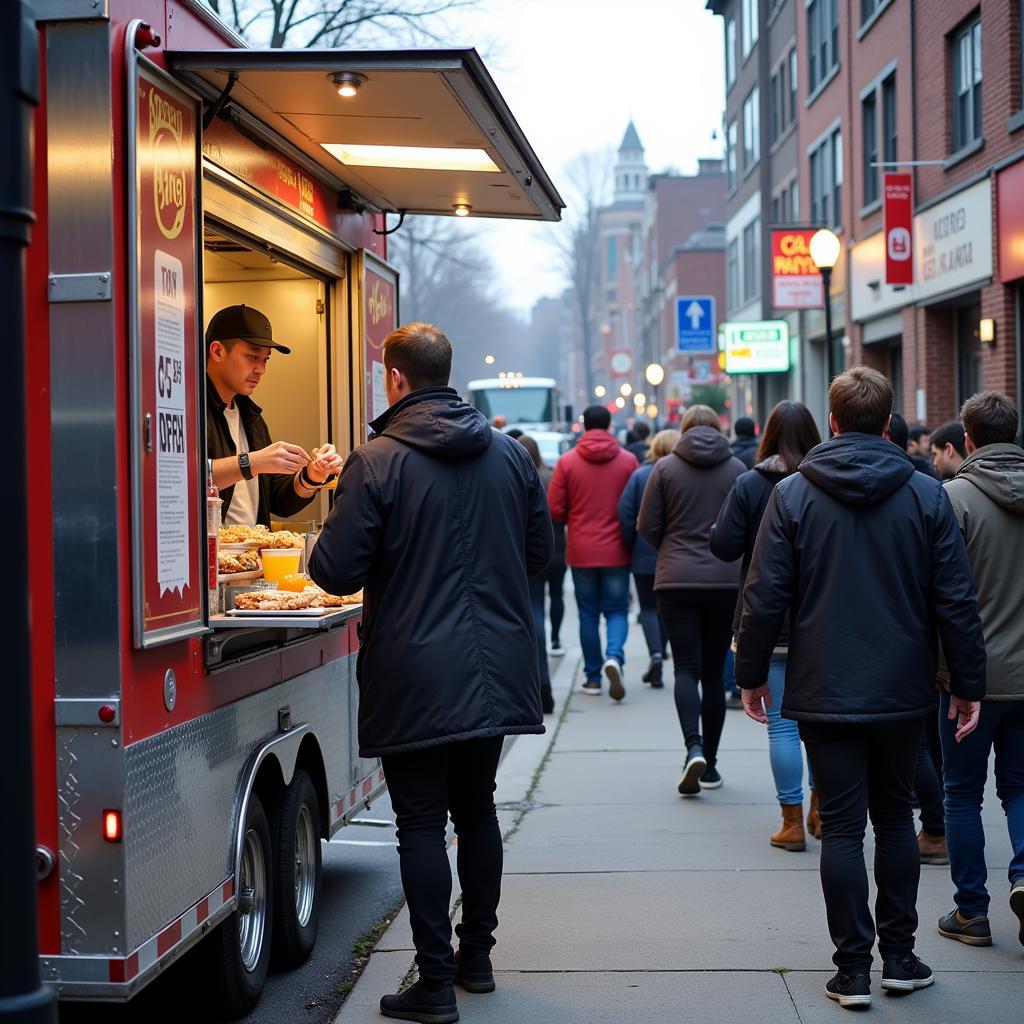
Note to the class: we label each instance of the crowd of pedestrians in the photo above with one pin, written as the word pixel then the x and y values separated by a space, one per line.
pixel 873 612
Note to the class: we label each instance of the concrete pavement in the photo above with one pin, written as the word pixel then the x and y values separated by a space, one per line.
pixel 623 901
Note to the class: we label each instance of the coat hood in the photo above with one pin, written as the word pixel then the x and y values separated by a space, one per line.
pixel 598 446
pixel 858 469
pixel 774 468
pixel 703 446
pixel 438 423
pixel 997 470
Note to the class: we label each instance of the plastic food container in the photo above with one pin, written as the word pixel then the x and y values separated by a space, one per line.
pixel 280 562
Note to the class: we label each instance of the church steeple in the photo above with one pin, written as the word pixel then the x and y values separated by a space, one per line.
pixel 630 170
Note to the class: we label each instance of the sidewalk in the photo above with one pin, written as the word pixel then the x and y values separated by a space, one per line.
pixel 624 902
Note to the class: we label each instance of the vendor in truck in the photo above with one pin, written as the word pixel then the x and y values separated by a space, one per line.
pixel 257 477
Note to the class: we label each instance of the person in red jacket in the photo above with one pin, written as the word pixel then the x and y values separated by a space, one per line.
pixel 584 494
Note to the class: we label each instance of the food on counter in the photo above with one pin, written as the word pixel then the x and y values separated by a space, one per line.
pixel 295 582
pixel 238 561
pixel 333 601
pixel 276 600
pixel 283 539
pixel 261 536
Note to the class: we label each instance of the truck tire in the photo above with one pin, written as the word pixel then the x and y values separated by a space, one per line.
pixel 239 948
pixel 297 872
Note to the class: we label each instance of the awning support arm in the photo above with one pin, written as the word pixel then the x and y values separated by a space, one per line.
pixel 220 102
pixel 391 231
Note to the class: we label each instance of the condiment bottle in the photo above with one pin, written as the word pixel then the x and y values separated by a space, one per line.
pixel 213 513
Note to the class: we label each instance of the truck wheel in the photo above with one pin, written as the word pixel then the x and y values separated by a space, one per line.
pixel 297 873
pixel 239 949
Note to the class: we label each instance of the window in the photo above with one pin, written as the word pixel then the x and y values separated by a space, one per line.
pixel 613 258
pixel 868 8
pixel 967 84
pixel 730 52
pixel 751 259
pixel 751 128
pixel 889 136
pixel 827 181
pixel 792 85
pixel 734 273
pixel 869 133
pixel 822 40
pixel 730 156
pixel 785 206
pixel 794 202
pixel 749 14
pixel 774 114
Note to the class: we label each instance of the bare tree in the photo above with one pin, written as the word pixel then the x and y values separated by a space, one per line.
pixel 578 244
pixel 336 23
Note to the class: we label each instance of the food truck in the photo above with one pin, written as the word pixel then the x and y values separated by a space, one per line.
pixel 189 760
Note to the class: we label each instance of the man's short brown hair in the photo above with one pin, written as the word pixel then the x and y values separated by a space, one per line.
pixel 861 401
pixel 421 353
pixel 989 417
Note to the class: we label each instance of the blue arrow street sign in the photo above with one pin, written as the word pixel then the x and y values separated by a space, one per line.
pixel 695 324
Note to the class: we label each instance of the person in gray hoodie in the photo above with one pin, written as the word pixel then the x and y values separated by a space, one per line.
pixel 987 495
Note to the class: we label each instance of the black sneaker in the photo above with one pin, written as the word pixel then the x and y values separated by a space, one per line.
pixel 906 974
pixel 473 971
pixel 613 672
pixel 972 930
pixel 849 989
pixel 557 650
pixel 653 673
pixel 422 1004
pixel 711 779
pixel 1017 905
pixel 591 686
pixel 695 766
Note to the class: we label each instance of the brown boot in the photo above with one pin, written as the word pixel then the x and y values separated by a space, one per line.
pixel 933 849
pixel 813 817
pixel 791 835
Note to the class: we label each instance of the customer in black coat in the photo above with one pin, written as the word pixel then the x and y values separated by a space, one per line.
pixel 867 557
pixel 441 520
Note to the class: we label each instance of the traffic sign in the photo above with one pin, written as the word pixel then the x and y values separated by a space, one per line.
pixel 760 347
pixel 695 324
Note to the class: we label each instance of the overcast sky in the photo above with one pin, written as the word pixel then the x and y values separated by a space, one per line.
pixel 573 73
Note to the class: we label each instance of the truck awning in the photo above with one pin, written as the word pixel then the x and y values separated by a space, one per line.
pixel 424 131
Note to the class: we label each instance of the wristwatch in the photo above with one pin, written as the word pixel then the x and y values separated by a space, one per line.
pixel 311 485
pixel 243 465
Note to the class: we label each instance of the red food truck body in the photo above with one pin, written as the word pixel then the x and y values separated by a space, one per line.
pixel 188 762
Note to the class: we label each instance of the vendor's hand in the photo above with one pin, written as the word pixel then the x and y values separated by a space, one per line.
pixel 966 714
pixel 326 462
pixel 279 457
pixel 756 703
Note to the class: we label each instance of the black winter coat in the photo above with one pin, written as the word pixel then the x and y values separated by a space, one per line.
pixel 440 520
pixel 867 556
pixel 745 449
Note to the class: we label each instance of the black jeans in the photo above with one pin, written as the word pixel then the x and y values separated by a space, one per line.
pixel 863 769
pixel 424 786
pixel 650 618
pixel 699 624
pixel 554 577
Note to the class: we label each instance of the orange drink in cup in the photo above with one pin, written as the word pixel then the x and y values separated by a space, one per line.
pixel 280 562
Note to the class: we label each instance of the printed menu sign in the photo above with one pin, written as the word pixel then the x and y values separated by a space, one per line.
pixel 168 580
pixel 380 318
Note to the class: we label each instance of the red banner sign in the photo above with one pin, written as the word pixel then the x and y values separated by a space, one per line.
pixel 796 281
pixel 380 318
pixel 168 536
pixel 898 194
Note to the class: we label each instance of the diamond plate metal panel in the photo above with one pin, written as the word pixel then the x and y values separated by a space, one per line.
pixel 181 789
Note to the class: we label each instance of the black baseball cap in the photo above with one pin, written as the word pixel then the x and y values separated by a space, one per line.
pixel 242 322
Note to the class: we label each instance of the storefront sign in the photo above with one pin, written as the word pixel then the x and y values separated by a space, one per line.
pixel 1010 212
pixel 269 171
pixel 953 242
pixel 168 547
pixel 760 347
pixel 796 281
pixel 380 318
pixel 898 193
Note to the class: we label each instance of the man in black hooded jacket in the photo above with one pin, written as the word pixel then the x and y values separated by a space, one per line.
pixel 441 520
pixel 866 555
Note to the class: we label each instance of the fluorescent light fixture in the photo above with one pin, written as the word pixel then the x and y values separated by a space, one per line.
pixel 413 158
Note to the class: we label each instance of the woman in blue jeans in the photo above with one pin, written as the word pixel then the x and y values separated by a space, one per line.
pixel 789 435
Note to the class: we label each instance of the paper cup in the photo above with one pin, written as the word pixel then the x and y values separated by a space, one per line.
pixel 279 562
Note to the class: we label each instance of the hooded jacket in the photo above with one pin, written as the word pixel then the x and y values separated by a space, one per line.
pixel 987 495
pixel 644 559
pixel 681 501
pixel 866 556
pixel 584 494
pixel 440 520
pixel 735 531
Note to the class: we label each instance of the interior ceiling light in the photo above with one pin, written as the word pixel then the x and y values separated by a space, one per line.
pixel 347 83
pixel 413 158
pixel 464 210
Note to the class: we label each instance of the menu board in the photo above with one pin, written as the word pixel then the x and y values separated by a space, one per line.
pixel 380 318
pixel 168 535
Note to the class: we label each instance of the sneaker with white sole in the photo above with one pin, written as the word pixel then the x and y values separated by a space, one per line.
pixel 557 650
pixel 1017 905
pixel 696 765
pixel 591 686
pixel 906 974
pixel 613 673
pixel 711 779
pixel 849 989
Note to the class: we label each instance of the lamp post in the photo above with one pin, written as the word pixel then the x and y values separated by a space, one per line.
pixel 825 252
pixel 655 374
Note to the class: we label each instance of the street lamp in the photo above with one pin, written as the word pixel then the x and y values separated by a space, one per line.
pixel 489 360
pixel 655 374
pixel 620 402
pixel 825 252
pixel 599 391
pixel 639 400
pixel 626 390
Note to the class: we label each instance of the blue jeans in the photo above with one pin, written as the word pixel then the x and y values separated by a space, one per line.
pixel 965 771
pixel 729 675
pixel 784 749
pixel 602 592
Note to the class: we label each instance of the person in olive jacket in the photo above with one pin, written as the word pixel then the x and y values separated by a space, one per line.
pixel 865 555
pixel 441 520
